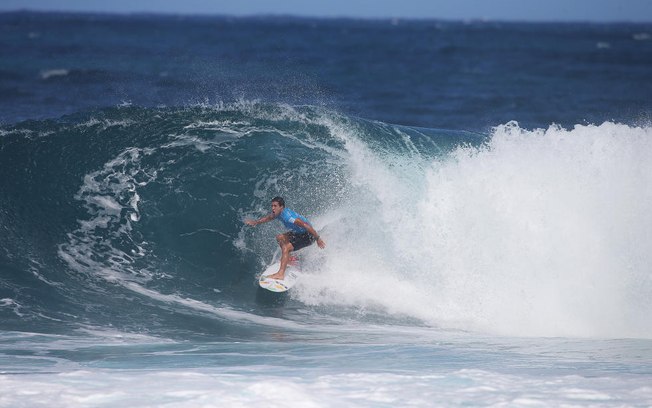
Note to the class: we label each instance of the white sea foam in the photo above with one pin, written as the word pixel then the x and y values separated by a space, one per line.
pixel 12 304
pixel 104 124
pixel 111 199
pixel 51 73
pixel 260 386
pixel 542 232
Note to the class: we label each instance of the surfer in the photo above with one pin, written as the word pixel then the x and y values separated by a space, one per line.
pixel 300 235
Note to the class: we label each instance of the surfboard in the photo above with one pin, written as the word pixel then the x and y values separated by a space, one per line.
pixel 292 273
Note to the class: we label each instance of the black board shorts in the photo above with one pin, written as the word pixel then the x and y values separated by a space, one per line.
pixel 300 240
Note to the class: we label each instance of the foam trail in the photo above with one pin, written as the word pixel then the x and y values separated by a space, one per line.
pixel 222 312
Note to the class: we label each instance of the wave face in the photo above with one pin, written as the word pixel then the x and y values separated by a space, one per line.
pixel 132 218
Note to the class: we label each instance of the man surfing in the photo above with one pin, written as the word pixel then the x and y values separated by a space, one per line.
pixel 300 235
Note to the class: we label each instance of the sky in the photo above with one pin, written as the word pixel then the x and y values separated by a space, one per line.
pixel 510 10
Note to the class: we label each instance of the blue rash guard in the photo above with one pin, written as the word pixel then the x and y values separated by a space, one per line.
pixel 287 217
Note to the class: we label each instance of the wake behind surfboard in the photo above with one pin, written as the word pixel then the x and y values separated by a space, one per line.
pixel 280 285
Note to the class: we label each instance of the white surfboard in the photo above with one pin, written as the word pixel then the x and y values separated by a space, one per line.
pixel 292 273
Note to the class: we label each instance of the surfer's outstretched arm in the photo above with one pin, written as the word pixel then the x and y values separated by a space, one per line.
pixel 263 220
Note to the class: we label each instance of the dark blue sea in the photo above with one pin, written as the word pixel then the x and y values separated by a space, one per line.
pixel 484 190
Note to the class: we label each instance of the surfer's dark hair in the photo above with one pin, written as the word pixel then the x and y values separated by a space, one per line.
pixel 279 200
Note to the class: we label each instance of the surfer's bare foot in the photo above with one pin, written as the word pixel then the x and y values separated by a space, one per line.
pixel 277 275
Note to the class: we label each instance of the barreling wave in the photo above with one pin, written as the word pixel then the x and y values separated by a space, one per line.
pixel 132 217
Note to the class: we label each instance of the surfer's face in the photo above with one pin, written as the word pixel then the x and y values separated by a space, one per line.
pixel 276 208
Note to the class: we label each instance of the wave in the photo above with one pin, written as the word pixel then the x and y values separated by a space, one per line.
pixel 132 217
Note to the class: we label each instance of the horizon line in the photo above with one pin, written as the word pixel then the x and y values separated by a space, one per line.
pixel 396 19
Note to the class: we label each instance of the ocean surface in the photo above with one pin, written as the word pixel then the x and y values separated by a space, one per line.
pixel 484 190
